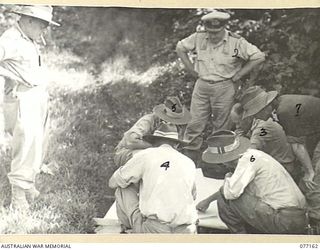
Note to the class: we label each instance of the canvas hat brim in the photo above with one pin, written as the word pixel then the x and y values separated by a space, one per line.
pixel 42 18
pixel 184 119
pixel 153 138
pixel 210 157
pixel 257 107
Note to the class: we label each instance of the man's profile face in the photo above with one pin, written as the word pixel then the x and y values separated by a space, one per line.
pixel 36 27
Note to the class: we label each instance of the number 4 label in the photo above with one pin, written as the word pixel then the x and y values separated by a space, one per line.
pixel 165 165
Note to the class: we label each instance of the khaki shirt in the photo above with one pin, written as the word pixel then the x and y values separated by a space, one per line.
pixel 219 61
pixel 132 139
pixel 20 58
pixel 258 174
pixel 269 137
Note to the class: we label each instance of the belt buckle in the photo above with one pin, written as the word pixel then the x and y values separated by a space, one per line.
pixel 215 82
pixel 211 81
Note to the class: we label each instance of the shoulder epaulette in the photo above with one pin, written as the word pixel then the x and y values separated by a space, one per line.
pixel 232 34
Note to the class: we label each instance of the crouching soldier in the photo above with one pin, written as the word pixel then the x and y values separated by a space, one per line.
pixel 166 200
pixel 170 111
pixel 257 193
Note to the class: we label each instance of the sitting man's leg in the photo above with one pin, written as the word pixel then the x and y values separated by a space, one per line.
pixel 230 217
pixel 250 210
pixel 128 211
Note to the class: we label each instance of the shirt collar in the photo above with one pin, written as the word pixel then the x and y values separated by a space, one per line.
pixel 22 33
pixel 225 38
pixel 256 122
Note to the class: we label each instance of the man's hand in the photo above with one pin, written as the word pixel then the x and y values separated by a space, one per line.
pixel 308 180
pixel 194 73
pixel 203 205
pixel 186 61
pixel 229 174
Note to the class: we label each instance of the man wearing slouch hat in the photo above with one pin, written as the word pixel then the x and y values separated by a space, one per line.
pixel 257 192
pixel 171 111
pixel 25 99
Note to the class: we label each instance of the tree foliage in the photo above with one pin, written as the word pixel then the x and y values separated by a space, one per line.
pixel 289 37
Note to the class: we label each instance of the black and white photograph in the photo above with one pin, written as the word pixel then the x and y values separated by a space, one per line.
pixel 132 120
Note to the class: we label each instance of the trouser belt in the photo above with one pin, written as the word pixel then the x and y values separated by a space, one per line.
pixel 215 82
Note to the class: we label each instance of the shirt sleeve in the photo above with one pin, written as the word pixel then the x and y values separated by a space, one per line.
pixel 194 191
pixel 188 44
pixel 8 45
pixel 242 176
pixel 248 51
pixel 261 135
pixel 133 138
pixel 131 172
pixel 256 141
pixel 1 53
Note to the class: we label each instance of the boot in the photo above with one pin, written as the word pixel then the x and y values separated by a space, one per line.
pixel 18 199
pixel 32 194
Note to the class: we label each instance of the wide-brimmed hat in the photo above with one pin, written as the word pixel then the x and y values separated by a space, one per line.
pixel 43 12
pixel 166 131
pixel 172 111
pixel 224 146
pixel 254 99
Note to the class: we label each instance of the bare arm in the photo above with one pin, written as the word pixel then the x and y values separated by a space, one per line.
pixel 247 68
pixel 186 61
pixel 134 141
pixel 204 204
pixel 302 154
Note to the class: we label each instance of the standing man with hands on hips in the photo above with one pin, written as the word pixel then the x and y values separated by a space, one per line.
pixel 223 58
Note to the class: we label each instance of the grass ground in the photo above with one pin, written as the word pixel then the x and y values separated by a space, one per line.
pixel 90 109
pixel 88 117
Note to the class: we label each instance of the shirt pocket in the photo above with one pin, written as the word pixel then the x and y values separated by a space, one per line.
pixel 203 55
pixel 228 60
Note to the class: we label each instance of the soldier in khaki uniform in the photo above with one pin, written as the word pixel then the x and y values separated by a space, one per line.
pixel 171 111
pixel 223 58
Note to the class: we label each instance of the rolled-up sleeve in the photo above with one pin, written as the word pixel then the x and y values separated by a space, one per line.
pixel 133 137
pixel 131 172
pixel 248 51
pixel 9 45
pixel 242 176
pixel 187 44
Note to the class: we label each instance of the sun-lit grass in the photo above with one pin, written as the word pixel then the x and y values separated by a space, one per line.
pixel 119 69
pixel 45 220
pixel 88 117
pixel 67 72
